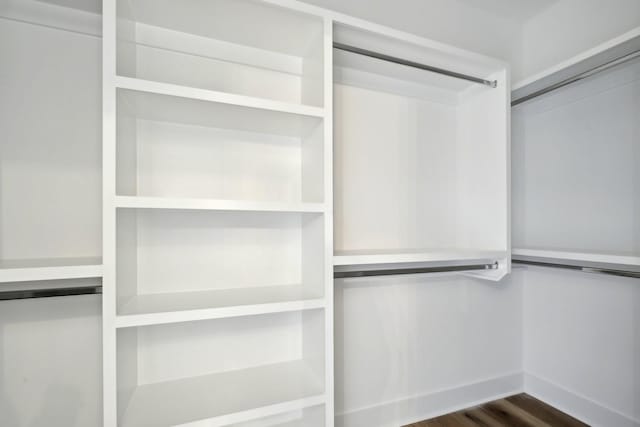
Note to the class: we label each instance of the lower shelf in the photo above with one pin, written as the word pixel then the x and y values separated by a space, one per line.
pixel 226 398
pixel 307 417
pixel 174 307
pixel 588 258
pixel 28 270
pixel 368 257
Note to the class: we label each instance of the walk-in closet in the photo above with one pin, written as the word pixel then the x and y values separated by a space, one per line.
pixel 319 213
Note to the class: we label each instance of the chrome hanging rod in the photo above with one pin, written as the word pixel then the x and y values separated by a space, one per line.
pixel 609 271
pixel 412 270
pixel 400 61
pixel 591 72
pixel 51 292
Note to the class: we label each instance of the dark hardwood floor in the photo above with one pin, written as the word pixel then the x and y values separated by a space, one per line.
pixel 520 410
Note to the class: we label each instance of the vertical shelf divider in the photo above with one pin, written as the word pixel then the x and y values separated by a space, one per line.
pixel 328 218
pixel 109 351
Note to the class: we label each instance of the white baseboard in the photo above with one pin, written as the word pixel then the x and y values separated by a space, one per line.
pixel 575 405
pixel 417 408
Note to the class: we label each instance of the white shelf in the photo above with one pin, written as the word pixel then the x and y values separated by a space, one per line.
pixel 216 205
pixel 366 257
pixel 49 269
pixel 226 398
pixel 591 257
pixel 176 307
pixel 131 83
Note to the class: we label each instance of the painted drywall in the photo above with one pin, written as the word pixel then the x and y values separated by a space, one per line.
pixel 50 348
pixel 569 27
pixel 575 157
pixel 50 362
pixel 582 344
pixel 407 348
pixel 575 175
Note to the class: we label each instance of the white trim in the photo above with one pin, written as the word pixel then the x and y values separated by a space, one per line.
pixel 417 408
pixel 574 404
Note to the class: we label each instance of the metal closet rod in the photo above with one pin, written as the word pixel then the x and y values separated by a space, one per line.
pixel 591 72
pixel 407 63
pixel 51 292
pixel 412 270
pixel 609 271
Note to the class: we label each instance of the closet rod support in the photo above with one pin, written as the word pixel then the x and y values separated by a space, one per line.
pixel 48 293
pixel 412 270
pixel 585 269
pixel 407 63
pixel 591 72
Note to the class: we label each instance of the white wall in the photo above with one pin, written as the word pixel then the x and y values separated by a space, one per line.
pixel 576 184
pixel 408 348
pixel 569 27
pixel 582 344
pixel 575 156
pixel 50 348
pixel 50 362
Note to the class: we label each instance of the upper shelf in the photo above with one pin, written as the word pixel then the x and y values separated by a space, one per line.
pixel 207 44
pixel 584 62
pixel 370 257
pixel 239 101
pixel 29 270
pixel 351 68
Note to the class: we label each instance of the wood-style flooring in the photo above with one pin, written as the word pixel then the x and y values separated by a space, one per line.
pixel 520 410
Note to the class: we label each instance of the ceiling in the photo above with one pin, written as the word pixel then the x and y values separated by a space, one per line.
pixel 92 6
pixel 520 10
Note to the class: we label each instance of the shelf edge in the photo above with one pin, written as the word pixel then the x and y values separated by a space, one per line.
pixel 33 274
pixel 135 202
pixel 163 318
pixel 131 83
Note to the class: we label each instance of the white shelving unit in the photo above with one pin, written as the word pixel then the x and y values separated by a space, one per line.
pixel 219 201
pixel 420 174
pixel 217 303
